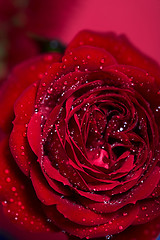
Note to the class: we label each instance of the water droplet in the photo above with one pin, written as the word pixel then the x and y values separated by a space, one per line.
pixel 49 220
pixel 43 84
pixel 144 208
pixel 77 68
pixel 24 134
pixel 13 189
pixel 19 203
pixel 125 214
pixel 108 237
pixel 120 228
pixel 8 179
pixel 4 203
pixel 102 60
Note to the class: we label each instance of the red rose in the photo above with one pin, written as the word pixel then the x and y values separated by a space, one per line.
pixel 86 135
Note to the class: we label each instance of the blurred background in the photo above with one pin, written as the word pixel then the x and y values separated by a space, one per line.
pixel 24 24
pixel 23 21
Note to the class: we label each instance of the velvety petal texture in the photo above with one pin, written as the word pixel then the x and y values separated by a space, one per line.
pixel 86 137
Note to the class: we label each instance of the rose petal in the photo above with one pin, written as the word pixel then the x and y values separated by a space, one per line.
pixel 118 224
pixel 52 172
pixel 19 146
pixel 142 191
pixel 146 231
pixel 80 215
pixel 19 201
pixel 22 76
pixel 120 48
pixel 34 133
pixel 149 209
pixel 88 57
pixel 43 190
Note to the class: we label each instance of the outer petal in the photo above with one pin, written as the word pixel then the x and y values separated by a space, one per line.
pixel 20 233
pixel 148 231
pixel 43 190
pixel 117 224
pixel 19 146
pixel 22 76
pixel 19 200
pixel 34 133
pixel 119 46
pixel 149 209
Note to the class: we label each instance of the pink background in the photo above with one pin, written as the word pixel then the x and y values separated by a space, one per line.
pixel 138 19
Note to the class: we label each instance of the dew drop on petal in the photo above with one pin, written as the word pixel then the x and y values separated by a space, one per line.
pixel 8 179
pixel 125 214
pixel 120 228
pixel 6 171
pixel 108 237
pixel 102 60
pixel 19 203
pixel 13 189
pixel 43 84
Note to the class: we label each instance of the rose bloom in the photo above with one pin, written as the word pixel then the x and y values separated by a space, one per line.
pixel 83 153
